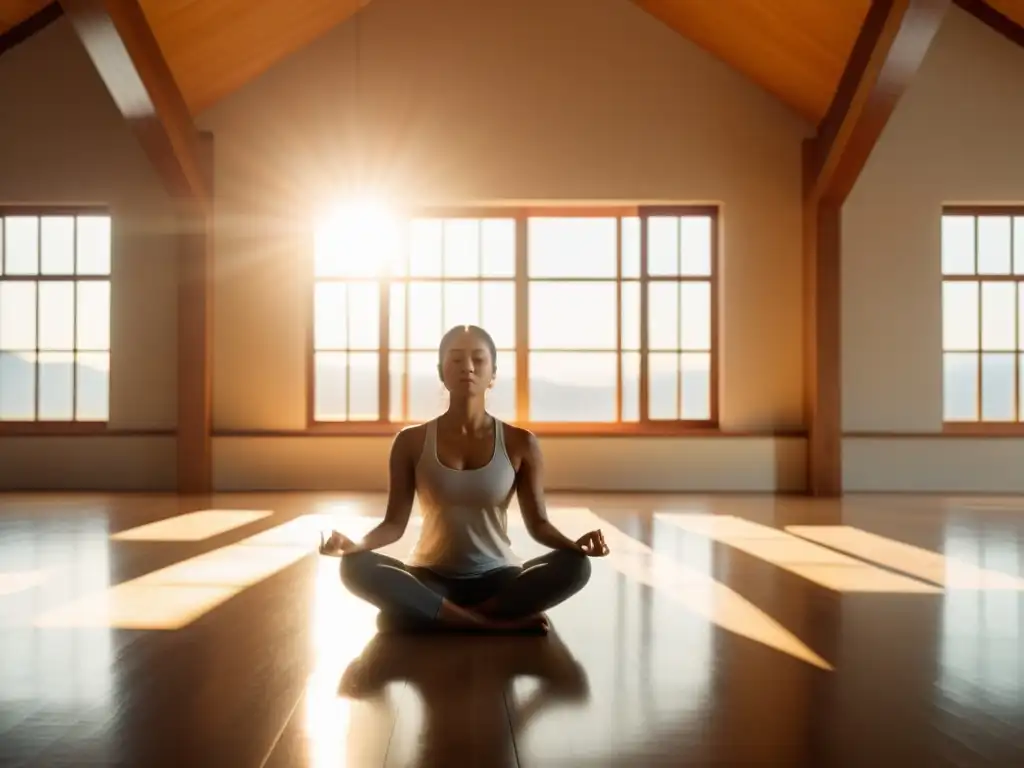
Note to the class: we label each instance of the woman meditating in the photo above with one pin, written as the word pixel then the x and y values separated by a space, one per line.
pixel 465 466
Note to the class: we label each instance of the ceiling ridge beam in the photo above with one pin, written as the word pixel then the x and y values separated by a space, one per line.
pixel 993 19
pixel 893 41
pixel 35 23
pixel 119 41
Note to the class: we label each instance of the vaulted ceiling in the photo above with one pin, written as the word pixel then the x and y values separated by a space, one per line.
pixel 795 49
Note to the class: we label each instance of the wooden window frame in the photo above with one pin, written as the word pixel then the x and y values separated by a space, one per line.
pixel 522 214
pixel 978 426
pixel 55 427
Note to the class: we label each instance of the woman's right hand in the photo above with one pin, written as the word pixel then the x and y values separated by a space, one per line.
pixel 336 545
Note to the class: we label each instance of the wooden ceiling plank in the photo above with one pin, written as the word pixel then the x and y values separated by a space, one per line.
pixel 15 31
pixel 892 44
pixel 119 41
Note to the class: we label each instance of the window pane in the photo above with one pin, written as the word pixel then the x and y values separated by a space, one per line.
pixel 93 315
pixel 18 316
pixel 501 400
pixel 960 386
pixel 427 395
pixel 631 315
pixel 93 386
pixel 94 244
pixel 1020 316
pixel 461 304
pixel 57 315
pixel 998 316
pixel 695 245
pixel 663 315
pixel 994 245
pixel 356 244
pixel 330 386
pixel 958 245
pixel 695 320
pixel 631 386
pixel 573 247
pixel 960 315
pixel 424 322
pixel 1018 245
pixel 56 386
pixel 695 370
pixel 997 387
pixel 396 316
pixel 631 246
pixel 663 245
pixel 573 386
pixel 572 316
pixel 498 238
pixel 58 245
pixel 396 374
pixel 499 320
pixel 663 385
pixel 330 313
pixel 364 316
pixel 21 245
pixel 462 248
pixel 363 378
pixel 17 386
pixel 425 237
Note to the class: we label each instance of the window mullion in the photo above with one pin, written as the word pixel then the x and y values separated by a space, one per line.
pixel 384 353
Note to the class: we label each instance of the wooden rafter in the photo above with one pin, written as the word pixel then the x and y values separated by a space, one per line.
pixel 990 16
pixel 889 50
pixel 121 44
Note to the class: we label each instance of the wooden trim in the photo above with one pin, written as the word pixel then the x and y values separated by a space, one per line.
pixel 119 41
pixel 983 210
pixel 62 209
pixel 75 429
pixel 993 19
pixel 951 430
pixel 632 429
pixel 35 23
pixel 195 341
pixel 893 41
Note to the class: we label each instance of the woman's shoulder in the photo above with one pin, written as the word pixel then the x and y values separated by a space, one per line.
pixel 518 441
pixel 409 440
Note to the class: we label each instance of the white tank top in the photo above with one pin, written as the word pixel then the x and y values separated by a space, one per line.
pixel 465 512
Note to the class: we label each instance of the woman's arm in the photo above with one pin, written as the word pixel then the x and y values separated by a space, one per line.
pixel 401 493
pixel 530 490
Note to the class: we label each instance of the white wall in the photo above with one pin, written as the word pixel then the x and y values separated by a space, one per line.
pixel 62 141
pixel 956 137
pixel 463 102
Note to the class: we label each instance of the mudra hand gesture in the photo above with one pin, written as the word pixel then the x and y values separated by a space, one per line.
pixel 336 545
pixel 592 544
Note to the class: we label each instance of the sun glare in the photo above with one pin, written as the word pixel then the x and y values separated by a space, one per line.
pixel 357 239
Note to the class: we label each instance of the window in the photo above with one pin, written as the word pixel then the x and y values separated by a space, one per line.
pixel 982 317
pixel 601 317
pixel 54 316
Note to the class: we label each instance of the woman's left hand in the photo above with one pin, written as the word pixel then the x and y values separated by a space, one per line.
pixel 593 544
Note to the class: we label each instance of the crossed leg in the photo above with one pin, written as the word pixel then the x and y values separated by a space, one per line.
pixel 417 596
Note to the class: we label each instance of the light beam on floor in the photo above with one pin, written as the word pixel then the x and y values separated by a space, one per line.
pixel 699 592
pixel 819 565
pixel 193 526
pixel 922 563
pixel 173 597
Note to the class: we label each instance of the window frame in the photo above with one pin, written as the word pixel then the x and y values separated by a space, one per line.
pixel 56 427
pixel 978 426
pixel 522 214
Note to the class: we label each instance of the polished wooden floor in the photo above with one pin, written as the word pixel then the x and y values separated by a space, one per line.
pixel 879 631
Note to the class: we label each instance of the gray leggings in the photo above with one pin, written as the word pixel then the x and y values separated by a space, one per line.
pixel 406 592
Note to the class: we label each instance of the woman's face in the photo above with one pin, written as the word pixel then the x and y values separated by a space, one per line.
pixel 467 367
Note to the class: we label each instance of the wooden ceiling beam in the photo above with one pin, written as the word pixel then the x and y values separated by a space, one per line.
pixel 991 17
pixel 24 30
pixel 121 44
pixel 892 44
